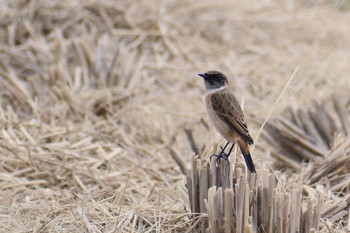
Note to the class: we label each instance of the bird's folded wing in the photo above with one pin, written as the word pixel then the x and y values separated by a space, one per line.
pixel 228 109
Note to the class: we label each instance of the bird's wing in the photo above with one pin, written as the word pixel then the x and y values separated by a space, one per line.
pixel 228 109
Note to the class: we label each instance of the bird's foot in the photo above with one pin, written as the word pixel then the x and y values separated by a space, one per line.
pixel 220 156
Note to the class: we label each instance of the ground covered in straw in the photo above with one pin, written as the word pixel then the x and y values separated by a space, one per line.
pixel 96 97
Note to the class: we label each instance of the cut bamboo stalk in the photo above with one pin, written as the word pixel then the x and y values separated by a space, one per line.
pixel 229 213
pixel 253 204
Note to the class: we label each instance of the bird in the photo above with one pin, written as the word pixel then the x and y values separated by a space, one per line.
pixel 227 116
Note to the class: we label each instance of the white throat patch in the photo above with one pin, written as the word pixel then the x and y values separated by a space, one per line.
pixel 215 90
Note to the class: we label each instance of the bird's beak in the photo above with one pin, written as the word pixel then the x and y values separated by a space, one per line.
pixel 203 76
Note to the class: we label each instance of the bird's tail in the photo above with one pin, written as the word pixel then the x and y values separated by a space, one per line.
pixel 246 155
pixel 249 162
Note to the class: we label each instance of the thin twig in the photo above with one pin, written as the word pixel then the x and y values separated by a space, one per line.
pixel 274 105
pixel 190 138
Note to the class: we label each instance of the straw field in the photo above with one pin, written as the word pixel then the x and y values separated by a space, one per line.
pixel 101 111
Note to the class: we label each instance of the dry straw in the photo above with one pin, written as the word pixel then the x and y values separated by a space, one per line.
pixel 235 202
pixel 95 97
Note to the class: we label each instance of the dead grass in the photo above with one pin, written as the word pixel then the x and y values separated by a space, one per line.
pixel 95 97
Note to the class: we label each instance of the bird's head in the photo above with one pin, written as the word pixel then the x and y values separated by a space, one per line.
pixel 214 79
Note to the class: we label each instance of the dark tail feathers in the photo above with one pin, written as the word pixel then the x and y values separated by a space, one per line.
pixel 249 161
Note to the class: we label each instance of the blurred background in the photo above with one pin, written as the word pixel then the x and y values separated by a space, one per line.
pixel 96 97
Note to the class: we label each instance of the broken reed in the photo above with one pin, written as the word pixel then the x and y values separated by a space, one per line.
pixel 235 202
pixel 307 134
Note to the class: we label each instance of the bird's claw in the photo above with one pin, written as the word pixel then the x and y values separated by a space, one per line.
pixel 220 156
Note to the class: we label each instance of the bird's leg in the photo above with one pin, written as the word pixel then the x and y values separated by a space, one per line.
pixel 222 154
pixel 230 150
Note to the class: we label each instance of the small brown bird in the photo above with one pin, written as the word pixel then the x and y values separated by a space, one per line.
pixel 227 116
